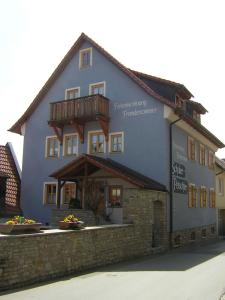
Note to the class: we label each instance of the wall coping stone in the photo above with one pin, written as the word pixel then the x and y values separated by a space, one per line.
pixel 60 231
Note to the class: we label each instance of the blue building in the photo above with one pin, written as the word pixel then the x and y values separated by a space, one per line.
pixel 97 130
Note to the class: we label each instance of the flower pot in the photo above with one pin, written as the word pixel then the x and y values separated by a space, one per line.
pixel 71 225
pixel 19 228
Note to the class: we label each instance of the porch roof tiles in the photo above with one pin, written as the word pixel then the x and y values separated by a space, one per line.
pixel 76 168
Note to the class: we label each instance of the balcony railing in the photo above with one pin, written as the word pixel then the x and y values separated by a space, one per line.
pixel 82 109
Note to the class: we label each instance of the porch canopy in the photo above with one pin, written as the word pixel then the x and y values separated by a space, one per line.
pixel 85 165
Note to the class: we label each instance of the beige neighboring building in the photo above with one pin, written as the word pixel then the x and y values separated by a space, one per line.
pixel 220 194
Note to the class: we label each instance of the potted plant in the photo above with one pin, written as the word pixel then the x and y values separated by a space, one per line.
pixel 19 224
pixel 71 222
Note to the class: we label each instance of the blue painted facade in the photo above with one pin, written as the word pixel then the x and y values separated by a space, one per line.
pixel 132 111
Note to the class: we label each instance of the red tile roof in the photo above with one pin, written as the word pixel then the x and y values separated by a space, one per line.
pixel 9 169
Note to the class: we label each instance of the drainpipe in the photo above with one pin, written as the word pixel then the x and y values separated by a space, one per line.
pixel 171 178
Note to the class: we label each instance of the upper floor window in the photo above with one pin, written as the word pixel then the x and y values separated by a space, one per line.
pixel 85 59
pixel 69 192
pixel 115 195
pixel 52 147
pixel 96 142
pixel 191 148
pixel 97 88
pixel 70 144
pixel 72 93
pixel 212 198
pixel 211 159
pixel 203 196
pixel 50 193
pixel 202 155
pixel 192 195
pixel 116 142
pixel 220 186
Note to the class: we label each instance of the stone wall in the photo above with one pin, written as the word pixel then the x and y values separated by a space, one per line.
pixel 87 216
pixel 26 259
pixel 193 235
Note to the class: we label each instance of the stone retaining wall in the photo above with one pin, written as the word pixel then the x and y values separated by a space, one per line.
pixel 26 259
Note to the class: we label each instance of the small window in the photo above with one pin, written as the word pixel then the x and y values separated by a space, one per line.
pixel 191 148
pixel 69 192
pixel 70 144
pixel 202 155
pixel 211 160
pixel 96 142
pixel 193 236
pixel 97 88
pixel 192 196
pixel 115 196
pixel 85 59
pixel 203 197
pixel 220 186
pixel 116 142
pixel 50 193
pixel 203 233
pixel 212 198
pixel 72 93
pixel 52 147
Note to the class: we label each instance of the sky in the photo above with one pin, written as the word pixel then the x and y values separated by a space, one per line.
pixel 177 40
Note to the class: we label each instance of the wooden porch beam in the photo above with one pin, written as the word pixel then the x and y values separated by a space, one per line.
pixel 80 130
pixel 104 123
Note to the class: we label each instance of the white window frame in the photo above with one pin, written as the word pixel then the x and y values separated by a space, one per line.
pixel 110 143
pixel 64 144
pixel 203 187
pixel 46 147
pixel 196 195
pixel 89 144
pixel 71 89
pixel 97 83
pixel 210 200
pixel 200 154
pixel 220 192
pixel 44 192
pixel 80 55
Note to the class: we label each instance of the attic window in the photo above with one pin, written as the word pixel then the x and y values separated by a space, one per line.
pixel 85 59
pixel 179 102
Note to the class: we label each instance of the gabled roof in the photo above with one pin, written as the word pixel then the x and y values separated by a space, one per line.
pixel 76 168
pixel 220 163
pixel 65 61
pixel 177 85
pixel 134 75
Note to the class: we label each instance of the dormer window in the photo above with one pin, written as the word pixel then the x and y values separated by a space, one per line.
pixel 72 93
pixel 85 59
pixel 179 102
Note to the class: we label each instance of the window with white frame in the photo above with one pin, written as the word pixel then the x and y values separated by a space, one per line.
pixel 50 191
pixel 70 145
pixel 116 142
pixel 211 159
pixel 96 142
pixel 212 198
pixel 191 148
pixel 52 147
pixel 220 186
pixel 69 192
pixel 192 195
pixel 203 197
pixel 85 59
pixel 72 93
pixel 97 88
pixel 115 196
pixel 202 155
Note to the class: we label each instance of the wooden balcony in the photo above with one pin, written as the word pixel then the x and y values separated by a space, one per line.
pixel 79 111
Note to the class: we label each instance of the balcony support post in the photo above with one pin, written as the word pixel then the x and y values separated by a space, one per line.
pixel 59 133
pixel 105 127
pixel 80 130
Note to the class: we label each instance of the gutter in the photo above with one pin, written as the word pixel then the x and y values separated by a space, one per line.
pixel 171 176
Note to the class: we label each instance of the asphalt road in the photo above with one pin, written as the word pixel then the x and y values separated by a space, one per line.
pixel 196 273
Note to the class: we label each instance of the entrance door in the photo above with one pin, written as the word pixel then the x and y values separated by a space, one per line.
pixel 95 199
pixel 157 227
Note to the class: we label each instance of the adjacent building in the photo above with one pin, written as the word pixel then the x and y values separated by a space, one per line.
pixel 99 135
pixel 220 195
pixel 9 182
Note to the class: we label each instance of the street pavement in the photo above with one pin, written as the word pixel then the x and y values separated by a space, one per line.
pixel 193 273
